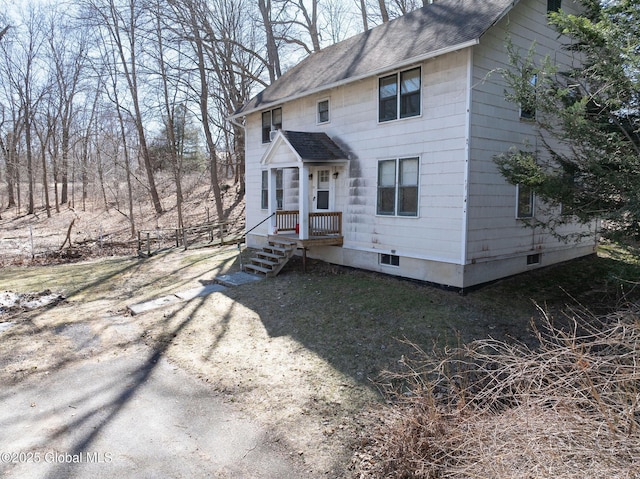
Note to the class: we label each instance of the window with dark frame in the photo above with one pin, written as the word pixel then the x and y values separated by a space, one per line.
pixel 389 259
pixel 398 187
pixel 323 111
pixel 399 95
pixel 533 259
pixel 553 5
pixel 271 120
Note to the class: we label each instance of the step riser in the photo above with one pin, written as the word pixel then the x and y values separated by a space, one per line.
pixel 272 258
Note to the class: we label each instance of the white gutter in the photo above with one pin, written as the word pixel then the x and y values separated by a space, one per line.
pixel 232 119
pixel 369 74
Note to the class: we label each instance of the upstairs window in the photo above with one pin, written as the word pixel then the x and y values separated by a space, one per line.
pixel 399 95
pixel 323 111
pixel 271 121
pixel 398 187
pixel 553 5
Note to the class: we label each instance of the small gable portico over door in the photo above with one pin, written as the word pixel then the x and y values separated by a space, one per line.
pixel 318 160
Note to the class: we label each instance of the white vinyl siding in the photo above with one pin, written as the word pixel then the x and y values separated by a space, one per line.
pixel 437 137
pixel 493 230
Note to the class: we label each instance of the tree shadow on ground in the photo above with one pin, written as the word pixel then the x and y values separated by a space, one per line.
pixel 364 323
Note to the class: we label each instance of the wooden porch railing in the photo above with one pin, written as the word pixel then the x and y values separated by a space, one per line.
pixel 320 224
pixel 286 220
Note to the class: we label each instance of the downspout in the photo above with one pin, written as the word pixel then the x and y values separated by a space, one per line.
pixel 465 193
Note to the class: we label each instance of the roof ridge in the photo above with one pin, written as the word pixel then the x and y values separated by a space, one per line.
pixel 440 27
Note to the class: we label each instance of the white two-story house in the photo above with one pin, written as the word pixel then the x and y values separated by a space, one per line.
pixel 378 152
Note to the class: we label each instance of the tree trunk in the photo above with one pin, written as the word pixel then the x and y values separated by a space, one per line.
pixel 363 11
pixel 383 11
pixel 64 168
pixel 30 183
pixel 273 57
pixel 204 112
pixel 10 158
pixel 44 138
pixel 101 179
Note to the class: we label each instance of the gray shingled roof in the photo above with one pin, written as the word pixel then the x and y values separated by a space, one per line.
pixel 442 26
pixel 314 146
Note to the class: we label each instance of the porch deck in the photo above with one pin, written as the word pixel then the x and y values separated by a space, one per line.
pixel 326 240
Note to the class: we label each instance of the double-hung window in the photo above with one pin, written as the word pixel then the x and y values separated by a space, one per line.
pixel 323 111
pixel 399 95
pixel 271 121
pixel 264 203
pixel 398 187
pixel 524 202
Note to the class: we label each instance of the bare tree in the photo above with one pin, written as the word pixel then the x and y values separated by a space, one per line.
pixel 121 146
pixel 68 47
pixel 384 13
pixel 121 22
pixel 10 133
pixel 363 14
pixel 273 54
pixel 304 19
pixel 4 31
pixel 173 113
pixel 22 71
pixel 44 129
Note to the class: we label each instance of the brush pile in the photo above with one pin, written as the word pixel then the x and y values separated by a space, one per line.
pixel 569 408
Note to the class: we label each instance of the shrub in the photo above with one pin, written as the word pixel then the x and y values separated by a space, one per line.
pixel 569 408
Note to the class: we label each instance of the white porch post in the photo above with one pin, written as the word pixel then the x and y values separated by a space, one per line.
pixel 273 202
pixel 303 202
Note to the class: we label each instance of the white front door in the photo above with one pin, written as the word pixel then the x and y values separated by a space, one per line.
pixel 321 190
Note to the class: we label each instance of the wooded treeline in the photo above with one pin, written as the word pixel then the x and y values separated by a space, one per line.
pixel 105 95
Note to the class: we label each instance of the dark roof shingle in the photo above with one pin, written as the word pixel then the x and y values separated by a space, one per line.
pixel 438 27
pixel 314 146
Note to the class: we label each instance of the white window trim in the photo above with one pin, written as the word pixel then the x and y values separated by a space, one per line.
pixel 397 179
pixel 262 189
pixel 398 95
pixel 388 265
pixel 532 196
pixel 273 128
pixel 328 100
